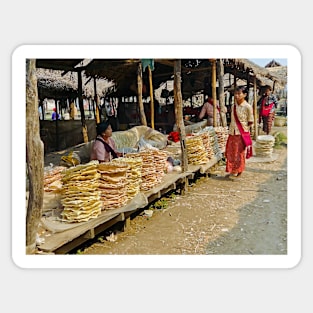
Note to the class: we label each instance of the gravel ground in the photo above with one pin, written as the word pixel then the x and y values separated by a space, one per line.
pixel 217 216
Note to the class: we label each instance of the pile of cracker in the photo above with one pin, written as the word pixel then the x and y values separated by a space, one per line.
pixel 113 183
pixel 133 175
pixel 80 196
pixel 196 151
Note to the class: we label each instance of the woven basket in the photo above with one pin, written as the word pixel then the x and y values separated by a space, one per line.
pixel 280 121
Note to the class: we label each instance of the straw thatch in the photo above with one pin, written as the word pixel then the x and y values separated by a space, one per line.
pixel 54 84
pixel 119 76
pixel 196 74
pixel 244 68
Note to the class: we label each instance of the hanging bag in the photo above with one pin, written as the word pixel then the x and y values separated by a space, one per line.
pixel 246 138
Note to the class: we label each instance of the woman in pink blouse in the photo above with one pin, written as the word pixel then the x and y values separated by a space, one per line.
pixel 104 148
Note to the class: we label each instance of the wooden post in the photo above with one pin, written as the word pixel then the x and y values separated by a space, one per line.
pixel 151 97
pixel 96 98
pixel 139 97
pixel 221 96
pixel 213 62
pixel 178 102
pixel 34 158
pixel 255 110
pixel 81 107
pixel 56 125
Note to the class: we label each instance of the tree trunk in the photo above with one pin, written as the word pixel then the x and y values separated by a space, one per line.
pixel 34 158
pixel 178 101
pixel 139 90
pixel 81 107
pixel 221 96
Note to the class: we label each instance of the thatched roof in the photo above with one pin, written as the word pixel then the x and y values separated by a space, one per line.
pixel 273 63
pixel 245 68
pixel 54 84
pixel 196 75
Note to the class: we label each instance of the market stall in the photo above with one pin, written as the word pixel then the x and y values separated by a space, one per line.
pixel 83 200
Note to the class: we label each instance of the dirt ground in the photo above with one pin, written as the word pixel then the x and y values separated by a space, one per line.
pixel 217 215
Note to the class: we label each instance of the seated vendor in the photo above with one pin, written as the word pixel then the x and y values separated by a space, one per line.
pixel 104 148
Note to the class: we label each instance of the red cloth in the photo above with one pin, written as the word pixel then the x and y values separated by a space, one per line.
pixel 235 154
pixel 173 136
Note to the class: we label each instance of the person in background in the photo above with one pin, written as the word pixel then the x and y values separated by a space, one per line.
pixel 208 109
pixel 73 111
pixel 104 148
pixel 235 148
pixel 267 105
pixel 109 111
pixel 55 115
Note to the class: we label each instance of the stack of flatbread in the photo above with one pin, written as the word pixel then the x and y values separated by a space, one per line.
pixel 209 141
pixel 222 136
pixel 113 184
pixel 160 158
pixel 52 179
pixel 207 144
pixel 80 196
pixel 133 175
pixel 264 145
pixel 148 173
pixel 214 142
pixel 195 150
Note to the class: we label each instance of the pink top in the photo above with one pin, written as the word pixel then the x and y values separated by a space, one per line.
pixel 98 151
pixel 208 109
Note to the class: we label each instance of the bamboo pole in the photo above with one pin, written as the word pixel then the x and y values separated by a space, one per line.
pixel 96 98
pixel 151 97
pixel 213 62
pixel 34 158
pixel 178 102
pixel 139 96
pixel 56 125
pixel 255 110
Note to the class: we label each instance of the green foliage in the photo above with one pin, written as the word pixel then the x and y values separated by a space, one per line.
pixel 280 140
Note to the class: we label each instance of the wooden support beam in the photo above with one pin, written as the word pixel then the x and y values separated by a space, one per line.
pixel 34 158
pixel 178 103
pixel 255 112
pixel 151 97
pixel 139 95
pixel 81 107
pixel 90 234
pixel 126 223
pixel 96 99
pixel 221 96
pixel 213 62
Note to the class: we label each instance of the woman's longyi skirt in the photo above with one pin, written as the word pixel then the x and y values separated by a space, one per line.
pixel 235 154
pixel 268 122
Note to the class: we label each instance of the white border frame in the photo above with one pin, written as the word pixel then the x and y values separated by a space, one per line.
pixel 24 52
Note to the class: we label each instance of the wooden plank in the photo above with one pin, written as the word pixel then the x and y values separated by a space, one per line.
pixel 169 188
pixel 57 240
pixel 82 239
pixel 154 196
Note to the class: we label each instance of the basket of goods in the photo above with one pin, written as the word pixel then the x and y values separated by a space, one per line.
pixel 280 121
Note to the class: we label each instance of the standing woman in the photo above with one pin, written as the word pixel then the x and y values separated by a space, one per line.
pixel 267 105
pixel 235 148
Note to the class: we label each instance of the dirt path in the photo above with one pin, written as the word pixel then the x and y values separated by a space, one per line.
pixel 216 216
